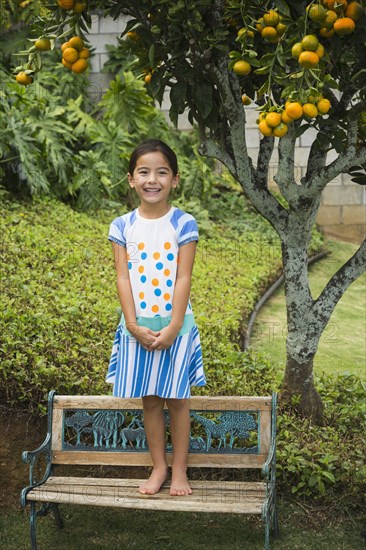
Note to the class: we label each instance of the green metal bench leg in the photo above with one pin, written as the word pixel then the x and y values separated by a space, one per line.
pixel 32 523
pixel 57 515
pixel 276 530
pixel 266 534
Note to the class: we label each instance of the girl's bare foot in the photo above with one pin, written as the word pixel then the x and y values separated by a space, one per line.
pixel 155 481
pixel 180 485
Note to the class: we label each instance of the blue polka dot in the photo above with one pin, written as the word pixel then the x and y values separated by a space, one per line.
pixel 143 256
pixel 168 307
pixel 170 256
pixel 169 282
pixel 157 315
pixel 143 305
pixel 129 265
pixel 159 265
pixel 157 292
pixel 143 278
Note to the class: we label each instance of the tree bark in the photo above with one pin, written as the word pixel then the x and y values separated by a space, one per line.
pixel 299 380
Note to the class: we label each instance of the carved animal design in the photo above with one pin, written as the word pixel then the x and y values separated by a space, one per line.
pixel 105 427
pixel 129 435
pixel 196 444
pixel 238 424
pixel 212 430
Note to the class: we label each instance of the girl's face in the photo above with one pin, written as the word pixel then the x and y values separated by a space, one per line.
pixel 153 179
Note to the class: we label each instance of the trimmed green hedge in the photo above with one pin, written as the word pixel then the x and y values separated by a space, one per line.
pixel 61 307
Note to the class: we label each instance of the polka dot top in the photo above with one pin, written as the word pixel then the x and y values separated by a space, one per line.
pixel 152 247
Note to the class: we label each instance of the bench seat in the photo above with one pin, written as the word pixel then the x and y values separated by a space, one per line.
pixel 207 496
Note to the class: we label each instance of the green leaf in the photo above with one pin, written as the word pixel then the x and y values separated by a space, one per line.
pixel 202 96
pixel 152 55
pixel 329 476
pixel 178 94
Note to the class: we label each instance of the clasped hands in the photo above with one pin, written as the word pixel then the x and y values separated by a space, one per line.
pixel 151 340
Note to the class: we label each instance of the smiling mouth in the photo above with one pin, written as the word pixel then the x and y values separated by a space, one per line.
pixel 152 190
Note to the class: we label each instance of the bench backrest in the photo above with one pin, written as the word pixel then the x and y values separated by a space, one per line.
pixel 233 432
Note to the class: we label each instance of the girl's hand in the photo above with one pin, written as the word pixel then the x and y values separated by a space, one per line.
pixel 145 336
pixel 165 338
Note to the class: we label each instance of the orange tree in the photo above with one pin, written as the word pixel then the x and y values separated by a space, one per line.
pixel 304 65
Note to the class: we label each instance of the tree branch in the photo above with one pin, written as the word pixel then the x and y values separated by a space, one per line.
pixel 285 177
pixel 266 146
pixel 337 286
pixel 341 164
pixel 210 149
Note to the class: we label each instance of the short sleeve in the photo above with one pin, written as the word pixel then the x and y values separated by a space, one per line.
pixel 188 231
pixel 116 232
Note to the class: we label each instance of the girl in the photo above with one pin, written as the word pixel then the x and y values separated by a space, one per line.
pixel 157 353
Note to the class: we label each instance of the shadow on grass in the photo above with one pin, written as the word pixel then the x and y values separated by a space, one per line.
pixel 90 528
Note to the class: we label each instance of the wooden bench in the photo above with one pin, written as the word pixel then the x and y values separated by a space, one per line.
pixel 227 432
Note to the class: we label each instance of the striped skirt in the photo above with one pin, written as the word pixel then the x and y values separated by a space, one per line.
pixel 168 373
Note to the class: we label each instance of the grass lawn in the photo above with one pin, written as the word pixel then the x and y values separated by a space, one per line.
pixel 342 347
pixel 89 528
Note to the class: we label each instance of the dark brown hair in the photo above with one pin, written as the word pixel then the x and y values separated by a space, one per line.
pixel 152 146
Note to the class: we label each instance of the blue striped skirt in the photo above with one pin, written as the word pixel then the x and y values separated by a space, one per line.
pixel 168 373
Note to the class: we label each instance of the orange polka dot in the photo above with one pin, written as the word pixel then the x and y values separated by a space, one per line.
pixel 156 255
pixel 141 269
pixel 167 246
pixel 167 272
pixel 166 296
pixel 155 309
pixel 155 282
pixel 141 246
pixel 142 295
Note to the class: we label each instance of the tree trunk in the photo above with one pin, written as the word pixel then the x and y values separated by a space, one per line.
pixel 302 340
pixel 299 380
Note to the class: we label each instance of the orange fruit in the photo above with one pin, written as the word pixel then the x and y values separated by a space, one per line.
pixel 245 100
pixel 285 118
pixel 147 78
pixel 64 46
pixel 310 110
pixel 310 42
pixel 23 78
pixel 66 64
pixel 323 106
pixel 70 55
pixel 280 28
pixel 308 60
pixel 280 130
pixel 77 43
pixel 265 129
pixel 269 33
pixel 336 5
pixel 241 67
pixel 329 20
pixel 66 4
pixel 79 66
pixel 273 119
pixel 320 51
pixel 296 50
pixel 344 25
pixel 133 35
pixel 294 110
pixel 79 7
pixel 260 24
pixel 354 11
pixel 43 44
pixel 326 33
pixel 271 18
pixel 84 54
pixel 262 116
pixel 317 13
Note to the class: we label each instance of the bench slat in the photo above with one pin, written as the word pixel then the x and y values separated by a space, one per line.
pixel 105 458
pixel 199 403
pixel 247 498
